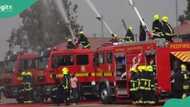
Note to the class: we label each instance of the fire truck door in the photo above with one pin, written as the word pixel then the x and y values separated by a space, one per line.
pixel 121 81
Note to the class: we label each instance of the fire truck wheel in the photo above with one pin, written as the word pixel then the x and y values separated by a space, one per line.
pixel 105 96
pixel 37 97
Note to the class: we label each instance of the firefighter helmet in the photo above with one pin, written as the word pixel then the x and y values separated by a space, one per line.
pixel 133 69
pixel 141 68
pixel 183 67
pixel 81 33
pixel 69 40
pixel 130 28
pixel 165 18
pixel 156 17
pixel 65 71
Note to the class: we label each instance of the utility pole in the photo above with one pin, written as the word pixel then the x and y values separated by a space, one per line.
pixel 176 2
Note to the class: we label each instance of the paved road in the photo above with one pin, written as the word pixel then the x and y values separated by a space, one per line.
pixel 78 105
pixel 12 103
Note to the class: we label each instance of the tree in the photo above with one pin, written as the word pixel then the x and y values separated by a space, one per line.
pixel 187 12
pixel 42 25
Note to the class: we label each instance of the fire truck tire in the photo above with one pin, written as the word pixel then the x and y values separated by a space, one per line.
pixel 105 96
pixel 36 97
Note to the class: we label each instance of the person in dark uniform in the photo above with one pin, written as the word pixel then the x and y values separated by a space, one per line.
pixel 167 29
pixel 83 40
pixel 66 85
pixel 151 88
pixel 142 32
pixel 157 27
pixel 186 81
pixel 27 85
pixel 134 85
pixel 177 84
pixel 114 38
pixel 129 37
pixel 141 84
pixel 70 44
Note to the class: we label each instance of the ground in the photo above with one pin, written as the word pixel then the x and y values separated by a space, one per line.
pixel 12 103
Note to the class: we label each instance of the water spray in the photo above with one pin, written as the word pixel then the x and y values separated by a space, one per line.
pixel 98 16
pixel 132 4
pixel 62 11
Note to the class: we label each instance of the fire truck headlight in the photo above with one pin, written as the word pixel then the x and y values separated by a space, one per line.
pixel 93 83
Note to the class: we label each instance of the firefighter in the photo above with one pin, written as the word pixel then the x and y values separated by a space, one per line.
pixel 157 26
pixel 186 81
pixel 83 40
pixel 167 29
pixel 151 91
pixel 129 37
pixel 66 85
pixel 134 85
pixel 177 84
pixel 27 85
pixel 141 83
pixel 70 44
pixel 114 38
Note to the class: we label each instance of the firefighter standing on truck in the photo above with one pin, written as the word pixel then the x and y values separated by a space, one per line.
pixel 27 85
pixel 186 81
pixel 129 37
pixel 167 29
pixel 66 85
pixel 70 44
pixel 134 84
pixel 83 40
pixel 157 27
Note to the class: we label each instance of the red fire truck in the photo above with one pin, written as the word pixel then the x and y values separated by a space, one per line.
pixel 115 60
pixel 13 68
pixel 78 61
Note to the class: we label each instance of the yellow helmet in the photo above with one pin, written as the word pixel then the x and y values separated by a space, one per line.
pixel 165 18
pixel 133 69
pixel 141 68
pixel 81 32
pixel 130 28
pixel 69 40
pixel 183 67
pixel 156 17
pixel 65 71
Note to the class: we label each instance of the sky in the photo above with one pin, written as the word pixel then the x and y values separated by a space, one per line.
pixel 112 11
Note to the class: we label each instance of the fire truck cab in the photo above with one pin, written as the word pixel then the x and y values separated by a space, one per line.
pixel 22 61
pixel 78 61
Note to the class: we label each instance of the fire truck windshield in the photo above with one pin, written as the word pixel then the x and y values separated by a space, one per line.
pixel 27 64
pixel 63 60
pixel 9 66
pixel 42 62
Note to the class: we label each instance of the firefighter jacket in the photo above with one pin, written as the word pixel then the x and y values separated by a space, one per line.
pixel 134 79
pixel 186 80
pixel 83 40
pixel 70 45
pixel 129 36
pixel 144 81
pixel 66 82
pixel 177 81
pixel 157 27
pixel 167 29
